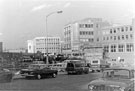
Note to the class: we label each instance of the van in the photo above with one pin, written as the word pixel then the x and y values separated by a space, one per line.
pixel 76 67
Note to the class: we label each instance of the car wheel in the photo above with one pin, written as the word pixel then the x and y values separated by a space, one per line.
pixel 87 72
pixel 39 76
pixel 54 75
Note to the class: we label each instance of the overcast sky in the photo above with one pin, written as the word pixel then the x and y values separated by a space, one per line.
pixel 22 20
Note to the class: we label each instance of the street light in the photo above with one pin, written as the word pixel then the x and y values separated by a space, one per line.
pixel 47 33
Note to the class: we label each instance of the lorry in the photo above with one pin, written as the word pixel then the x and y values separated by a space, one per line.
pixel 94 58
pixel 98 65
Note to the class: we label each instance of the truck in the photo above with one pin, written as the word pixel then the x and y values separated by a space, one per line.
pixel 98 65
pixel 94 58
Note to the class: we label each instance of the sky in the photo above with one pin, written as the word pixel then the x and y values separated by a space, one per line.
pixel 22 20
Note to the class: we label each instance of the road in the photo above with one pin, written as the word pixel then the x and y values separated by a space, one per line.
pixel 61 83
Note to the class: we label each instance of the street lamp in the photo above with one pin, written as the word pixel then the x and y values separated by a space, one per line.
pixel 47 33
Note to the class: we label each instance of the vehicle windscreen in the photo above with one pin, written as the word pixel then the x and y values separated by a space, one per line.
pixel 70 65
pixel 78 65
pixel 117 73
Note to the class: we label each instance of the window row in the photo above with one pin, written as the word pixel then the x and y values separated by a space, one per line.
pixel 120 60
pixel 47 39
pixel 86 33
pixel 122 37
pixel 122 29
pixel 67 32
pixel 67 39
pixel 120 48
pixel 87 40
pixel 49 48
pixel 86 25
pixel 47 43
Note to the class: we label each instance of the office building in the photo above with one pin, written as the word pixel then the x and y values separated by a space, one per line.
pixel 80 34
pixel 118 42
pixel 50 45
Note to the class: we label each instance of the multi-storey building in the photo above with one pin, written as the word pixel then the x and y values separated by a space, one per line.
pixel 118 42
pixel 45 45
pixel 81 33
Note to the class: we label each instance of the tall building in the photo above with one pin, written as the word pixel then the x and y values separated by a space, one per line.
pixel 81 33
pixel 45 45
pixel 1 46
pixel 118 42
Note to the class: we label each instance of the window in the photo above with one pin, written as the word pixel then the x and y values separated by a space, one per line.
pixel 130 47
pixel 90 40
pixel 83 33
pixel 118 37
pixel 107 38
pixel 114 37
pixel 114 31
pixel 106 48
pixel 123 37
pixel 130 28
pixel 113 59
pixel 121 47
pixel 96 25
pixel 110 30
pixel 118 29
pixel 91 25
pixel 122 29
pixel 110 37
pixel 121 60
pixel 113 48
pixel 126 36
pixel 126 28
pixel 97 39
pixel 131 36
pixel 86 25
pixel 103 38
pixel 92 33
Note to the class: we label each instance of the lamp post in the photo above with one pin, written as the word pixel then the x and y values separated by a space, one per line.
pixel 47 62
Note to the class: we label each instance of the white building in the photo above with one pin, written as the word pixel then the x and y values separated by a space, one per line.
pixel 45 45
pixel 118 42
pixel 81 33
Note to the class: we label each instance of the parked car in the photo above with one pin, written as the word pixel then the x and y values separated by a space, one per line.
pixel 77 67
pixel 5 75
pixel 39 71
pixel 114 79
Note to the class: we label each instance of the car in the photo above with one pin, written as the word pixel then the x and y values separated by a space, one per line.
pixel 5 75
pixel 76 67
pixel 39 71
pixel 114 79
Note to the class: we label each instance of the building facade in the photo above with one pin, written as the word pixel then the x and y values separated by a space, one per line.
pixel 45 45
pixel 1 46
pixel 80 34
pixel 118 42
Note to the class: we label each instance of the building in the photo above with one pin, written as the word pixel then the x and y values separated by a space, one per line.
pixel 1 46
pixel 19 50
pixel 30 46
pixel 118 42
pixel 45 45
pixel 80 34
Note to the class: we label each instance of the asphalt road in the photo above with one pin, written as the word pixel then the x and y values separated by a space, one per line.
pixel 61 83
